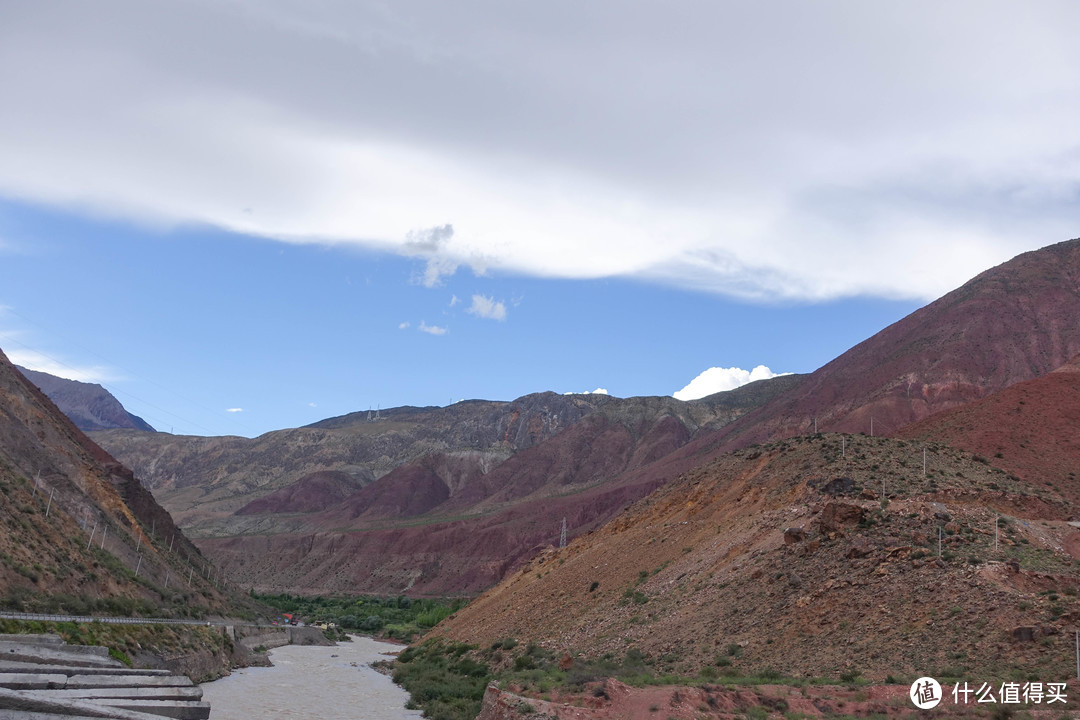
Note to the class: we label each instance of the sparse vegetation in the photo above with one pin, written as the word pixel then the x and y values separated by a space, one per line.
pixel 398 618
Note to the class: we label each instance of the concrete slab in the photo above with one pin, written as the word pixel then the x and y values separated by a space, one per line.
pixel 32 681
pixel 20 666
pixel 181 710
pixel 57 655
pixel 26 715
pixel 13 705
pixel 42 639
pixel 103 681
pixel 137 693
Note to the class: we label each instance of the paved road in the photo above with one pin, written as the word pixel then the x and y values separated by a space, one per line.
pixel 115 620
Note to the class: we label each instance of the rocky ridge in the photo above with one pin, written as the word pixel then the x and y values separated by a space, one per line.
pixel 88 405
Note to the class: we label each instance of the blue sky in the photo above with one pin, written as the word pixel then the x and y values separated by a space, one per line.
pixel 242 216
pixel 183 325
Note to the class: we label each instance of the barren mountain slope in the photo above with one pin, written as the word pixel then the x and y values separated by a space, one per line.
pixel 207 478
pixel 1028 429
pixel 783 558
pixel 88 405
pixel 1012 323
pixel 443 525
pixel 77 530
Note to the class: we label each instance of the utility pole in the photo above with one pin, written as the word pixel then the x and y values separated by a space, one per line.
pixel 104 534
pixel 139 565
pixel 50 502
pixel 924 462
pixel 91 535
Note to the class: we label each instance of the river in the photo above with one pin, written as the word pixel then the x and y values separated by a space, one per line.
pixel 314 683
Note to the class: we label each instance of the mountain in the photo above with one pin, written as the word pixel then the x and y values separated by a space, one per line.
pixel 1028 429
pixel 451 498
pixel 78 532
pixel 88 405
pixel 808 557
pixel 1011 323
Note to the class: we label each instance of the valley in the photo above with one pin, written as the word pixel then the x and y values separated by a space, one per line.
pixel 908 509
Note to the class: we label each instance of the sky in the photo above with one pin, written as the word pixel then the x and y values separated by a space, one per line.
pixel 246 215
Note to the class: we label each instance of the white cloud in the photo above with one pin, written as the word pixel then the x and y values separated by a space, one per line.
pixel 311 404
pixel 235 410
pixel 717 379
pixel 454 300
pixel 404 325
pixel 432 329
pixel 696 147
pixel 34 360
pixel 597 391
pixel 486 307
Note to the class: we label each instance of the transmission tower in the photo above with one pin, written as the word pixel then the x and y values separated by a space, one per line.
pixel 562 535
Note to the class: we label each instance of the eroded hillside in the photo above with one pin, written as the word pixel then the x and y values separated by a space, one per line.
pixel 78 533
pixel 814 556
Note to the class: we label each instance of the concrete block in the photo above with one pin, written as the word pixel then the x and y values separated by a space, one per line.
pixel 103 681
pixel 57 655
pixel 32 681
pixel 14 705
pixel 189 694
pixel 179 709
pixel 42 639
pixel 21 666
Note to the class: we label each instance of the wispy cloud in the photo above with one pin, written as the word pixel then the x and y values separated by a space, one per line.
pixel 235 410
pixel 486 307
pixel 431 243
pixel 404 325
pixel 432 329
pixel 718 379
pixel 34 360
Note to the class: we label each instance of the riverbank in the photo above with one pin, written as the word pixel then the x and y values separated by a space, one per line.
pixel 202 653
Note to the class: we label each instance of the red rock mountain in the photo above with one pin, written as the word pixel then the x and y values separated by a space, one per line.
pixel 1012 323
pixel 78 532
pixel 475 488
pixel 454 515
pixel 1028 429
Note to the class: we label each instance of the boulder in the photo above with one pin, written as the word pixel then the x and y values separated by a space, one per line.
pixel 860 548
pixel 794 535
pixel 1023 633
pixel 838 515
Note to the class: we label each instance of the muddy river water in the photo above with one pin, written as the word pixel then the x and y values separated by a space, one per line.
pixel 311 682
